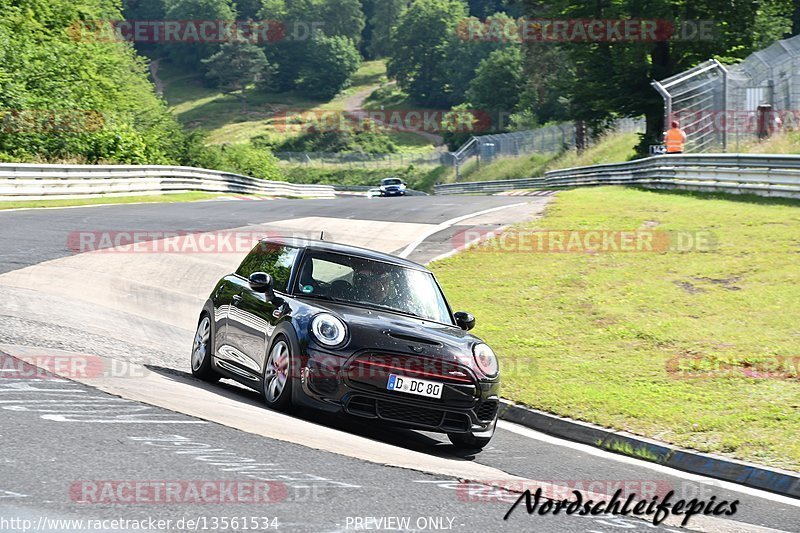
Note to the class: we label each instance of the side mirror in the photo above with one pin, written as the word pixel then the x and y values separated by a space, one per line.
pixel 465 320
pixel 262 282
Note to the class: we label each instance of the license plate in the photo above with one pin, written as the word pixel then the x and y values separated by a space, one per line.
pixel 420 387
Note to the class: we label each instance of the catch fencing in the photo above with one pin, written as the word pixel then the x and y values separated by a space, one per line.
pixel 36 182
pixel 723 108
pixel 482 149
pixel 360 160
pixel 545 140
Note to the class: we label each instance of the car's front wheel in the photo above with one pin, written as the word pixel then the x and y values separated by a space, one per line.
pixel 277 376
pixel 473 440
pixel 201 351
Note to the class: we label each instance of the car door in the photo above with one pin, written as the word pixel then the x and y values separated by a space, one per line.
pixel 223 301
pixel 252 318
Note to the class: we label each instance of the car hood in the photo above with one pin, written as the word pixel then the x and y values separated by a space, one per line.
pixel 378 330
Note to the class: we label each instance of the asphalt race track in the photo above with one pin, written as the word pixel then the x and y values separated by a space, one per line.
pixel 152 424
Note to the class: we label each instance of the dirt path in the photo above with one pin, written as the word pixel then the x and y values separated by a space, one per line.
pixel 154 66
pixel 354 106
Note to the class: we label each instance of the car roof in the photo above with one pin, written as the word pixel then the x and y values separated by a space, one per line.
pixel 326 246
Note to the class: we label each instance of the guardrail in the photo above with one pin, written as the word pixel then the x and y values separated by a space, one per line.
pixel 765 175
pixel 36 182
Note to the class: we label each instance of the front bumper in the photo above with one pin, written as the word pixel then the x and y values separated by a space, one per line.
pixel 358 385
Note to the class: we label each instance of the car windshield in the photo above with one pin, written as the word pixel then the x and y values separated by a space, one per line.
pixel 392 182
pixel 375 284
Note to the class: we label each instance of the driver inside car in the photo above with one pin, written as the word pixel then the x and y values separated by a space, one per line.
pixel 374 286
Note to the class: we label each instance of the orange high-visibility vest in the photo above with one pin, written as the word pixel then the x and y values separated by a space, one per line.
pixel 675 139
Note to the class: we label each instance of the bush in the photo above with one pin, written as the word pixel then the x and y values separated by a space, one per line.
pixel 368 141
pixel 67 96
pixel 329 64
pixel 249 161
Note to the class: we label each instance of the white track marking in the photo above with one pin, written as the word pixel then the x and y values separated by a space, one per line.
pixel 525 432
pixel 447 223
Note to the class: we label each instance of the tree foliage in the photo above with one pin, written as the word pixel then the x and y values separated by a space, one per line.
pixel 499 81
pixel 329 64
pixel 384 17
pixel 237 65
pixel 421 41
pixel 66 96
pixel 613 78
pixel 191 54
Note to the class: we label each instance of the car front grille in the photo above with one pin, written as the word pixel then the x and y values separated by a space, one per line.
pixel 362 406
pixel 487 410
pixel 409 414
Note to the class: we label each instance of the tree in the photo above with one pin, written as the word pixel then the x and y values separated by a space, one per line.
pixel 420 42
pixel 466 49
pixel 612 78
pixel 143 9
pixel 385 15
pixel 485 8
pixel 499 82
pixel 191 54
pixel 329 64
pixel 247 9
pixel 343 17
pixel 292 56
pixel 237 65
pixel 67 98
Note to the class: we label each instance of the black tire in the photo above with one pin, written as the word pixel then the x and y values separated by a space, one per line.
pixel 202 366
pixel 276 380
pixel 473 441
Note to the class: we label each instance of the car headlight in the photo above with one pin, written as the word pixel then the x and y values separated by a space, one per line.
pixel 328 329
pixel 486 360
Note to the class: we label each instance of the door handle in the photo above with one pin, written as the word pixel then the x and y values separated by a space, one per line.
pixel 237 298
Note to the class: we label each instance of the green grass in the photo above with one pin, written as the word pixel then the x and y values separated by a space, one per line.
pixel 597 336
pixel 166 198
pixel 625 448
pixel 612 148
pixel 389 97
pixel 781 143
pixel 369 76
pixel 198 106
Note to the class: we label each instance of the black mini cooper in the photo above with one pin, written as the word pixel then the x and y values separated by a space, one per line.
pixel 341 328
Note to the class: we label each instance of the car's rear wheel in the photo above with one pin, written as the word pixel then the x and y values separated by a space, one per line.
pixel 473 440
pixel 277 380
pixel 202 367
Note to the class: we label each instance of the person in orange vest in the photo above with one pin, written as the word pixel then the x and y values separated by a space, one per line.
pixel 675 139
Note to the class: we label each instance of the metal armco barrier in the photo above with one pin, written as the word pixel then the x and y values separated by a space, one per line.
pixel 764 175
pixel 36 182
